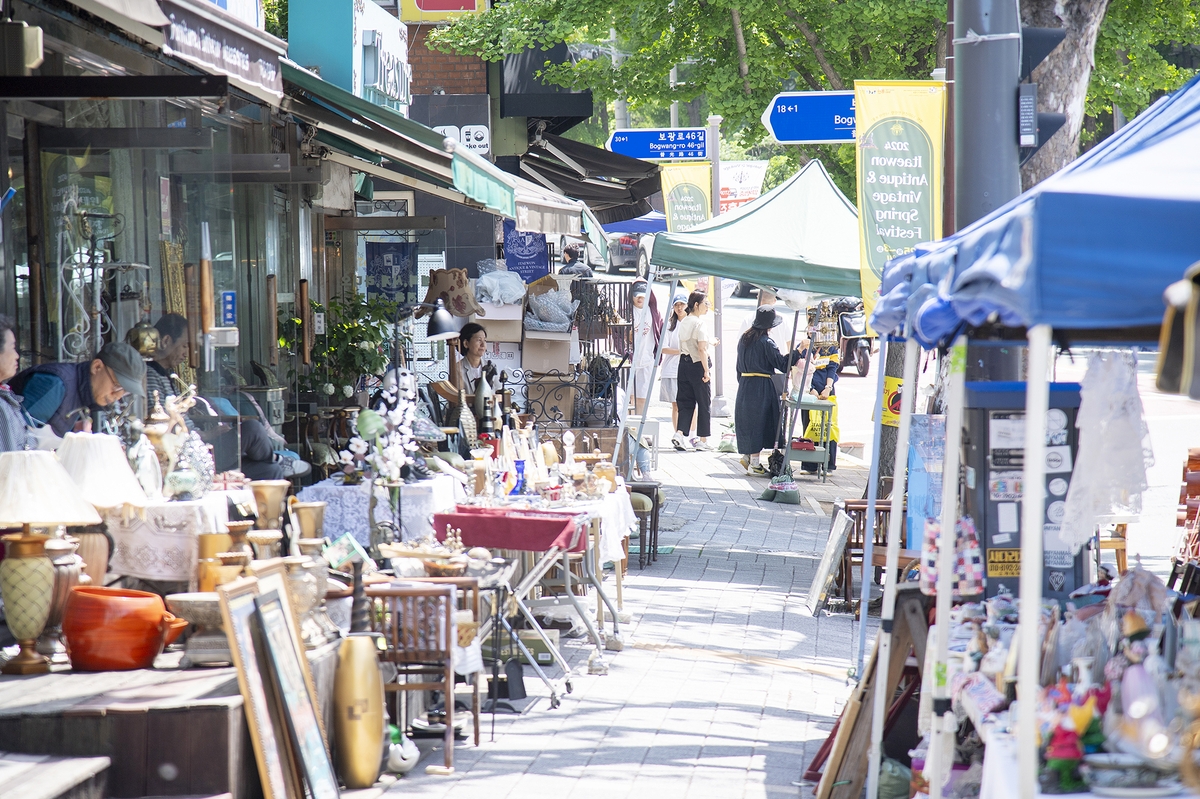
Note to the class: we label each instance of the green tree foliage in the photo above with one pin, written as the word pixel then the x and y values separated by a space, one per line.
pixel 789 45
pixel 275 16
pixel 1136 54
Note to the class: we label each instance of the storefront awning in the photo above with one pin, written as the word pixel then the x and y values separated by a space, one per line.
pixel 375 128
pixel 614 186
pixel 142 18
pixel 218 42
pixel 532 207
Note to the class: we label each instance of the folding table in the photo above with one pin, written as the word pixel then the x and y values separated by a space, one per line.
pixel 553 536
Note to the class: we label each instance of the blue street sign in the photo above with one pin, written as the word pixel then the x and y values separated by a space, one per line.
pixel 228 309
pixel 660 144
pixel 811 117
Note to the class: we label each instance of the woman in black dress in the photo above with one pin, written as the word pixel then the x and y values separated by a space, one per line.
pixel 756 412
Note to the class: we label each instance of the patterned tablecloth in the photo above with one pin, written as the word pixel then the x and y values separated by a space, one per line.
pixel 161 543
pixel 346 507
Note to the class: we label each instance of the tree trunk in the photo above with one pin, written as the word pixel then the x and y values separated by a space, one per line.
pixel 1063 77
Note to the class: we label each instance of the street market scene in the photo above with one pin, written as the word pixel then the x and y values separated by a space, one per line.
pixel 501 398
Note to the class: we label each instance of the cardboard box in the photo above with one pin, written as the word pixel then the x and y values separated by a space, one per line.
pixel 502 322
pixel 532 642
pixel 544 352
pixel 550 398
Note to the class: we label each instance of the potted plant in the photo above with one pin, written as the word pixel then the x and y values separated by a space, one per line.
pixel 348 355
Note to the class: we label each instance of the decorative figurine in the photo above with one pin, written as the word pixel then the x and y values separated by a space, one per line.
pixel 1063 755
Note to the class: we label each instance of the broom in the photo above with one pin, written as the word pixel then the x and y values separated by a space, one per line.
pixel 783 487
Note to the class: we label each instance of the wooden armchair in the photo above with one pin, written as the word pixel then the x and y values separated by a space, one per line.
pixel 852 554
pixel 417 623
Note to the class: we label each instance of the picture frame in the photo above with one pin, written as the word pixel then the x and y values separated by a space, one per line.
pixel 297 702
pixel 818 592
pixel 271 752
pixel 272 576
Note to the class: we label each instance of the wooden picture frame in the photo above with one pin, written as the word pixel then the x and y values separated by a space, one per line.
pixel 298 704
pixel 818 592
pixel 272 576
pixel 275 767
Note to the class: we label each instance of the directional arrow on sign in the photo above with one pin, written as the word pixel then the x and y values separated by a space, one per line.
pixel 660 144
pixel 811 117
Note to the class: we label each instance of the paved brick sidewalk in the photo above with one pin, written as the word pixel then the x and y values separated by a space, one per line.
pixel 726 686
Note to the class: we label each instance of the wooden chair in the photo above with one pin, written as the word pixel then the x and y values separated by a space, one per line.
pixel 417 622
pixel 852 553
pixel 469 598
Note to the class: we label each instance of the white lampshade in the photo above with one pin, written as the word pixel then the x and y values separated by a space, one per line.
pixel 36 490
pixel 99 467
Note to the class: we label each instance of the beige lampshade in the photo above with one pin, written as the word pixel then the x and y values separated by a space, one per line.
pixel 35 489
pixel 99 467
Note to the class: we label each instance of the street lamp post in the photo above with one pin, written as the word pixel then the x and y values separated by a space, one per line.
pixel 720 407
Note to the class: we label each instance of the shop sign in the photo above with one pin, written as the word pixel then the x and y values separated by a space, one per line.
pixel 439 10
pixel 385 76
pixel 899 128
pixel 228 309
pixel 1004 563
pixel 892 399
pixel 220 49
pixel 525 253
pixel 466 118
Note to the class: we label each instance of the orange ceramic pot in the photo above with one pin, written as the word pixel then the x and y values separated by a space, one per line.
pixel 116 629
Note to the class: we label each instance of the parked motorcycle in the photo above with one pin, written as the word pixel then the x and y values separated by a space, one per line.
pixel 855 341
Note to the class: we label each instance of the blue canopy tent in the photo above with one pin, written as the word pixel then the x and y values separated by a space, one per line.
pixel 653 222
pixel 1089 251
pixel 1090 248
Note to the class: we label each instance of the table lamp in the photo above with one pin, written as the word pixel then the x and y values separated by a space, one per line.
pixel 442 324
pixel 35 491
pixel 99 467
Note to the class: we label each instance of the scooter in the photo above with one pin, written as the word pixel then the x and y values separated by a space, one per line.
pixel 855 344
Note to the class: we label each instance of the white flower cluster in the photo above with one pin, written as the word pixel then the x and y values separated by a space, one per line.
pixel 393 449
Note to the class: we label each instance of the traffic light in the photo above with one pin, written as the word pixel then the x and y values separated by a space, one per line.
pixel 1035 128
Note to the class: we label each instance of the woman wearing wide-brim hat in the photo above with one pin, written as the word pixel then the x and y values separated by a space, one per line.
pixel 756 412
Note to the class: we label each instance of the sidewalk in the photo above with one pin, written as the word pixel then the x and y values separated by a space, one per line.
pixel 726 686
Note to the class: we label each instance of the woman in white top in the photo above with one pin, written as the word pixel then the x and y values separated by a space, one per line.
pixel 472 344
pixel 694 395
pixel 670 360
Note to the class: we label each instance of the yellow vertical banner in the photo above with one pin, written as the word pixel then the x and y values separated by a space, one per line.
pixel 899 126
pixel 687 195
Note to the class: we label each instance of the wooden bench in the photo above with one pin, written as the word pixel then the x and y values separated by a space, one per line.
pixel 852 553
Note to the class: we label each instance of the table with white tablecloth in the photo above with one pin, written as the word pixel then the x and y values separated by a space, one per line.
pixel 347 507
pixel 161 543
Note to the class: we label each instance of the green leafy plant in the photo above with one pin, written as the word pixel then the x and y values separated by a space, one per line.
pixel 353 347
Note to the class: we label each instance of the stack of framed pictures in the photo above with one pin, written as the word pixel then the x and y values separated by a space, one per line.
pixel 290 742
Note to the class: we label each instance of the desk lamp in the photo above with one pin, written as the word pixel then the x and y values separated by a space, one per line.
pixel 35 491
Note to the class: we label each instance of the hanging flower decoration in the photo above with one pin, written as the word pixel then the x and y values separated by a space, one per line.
pixel 347 391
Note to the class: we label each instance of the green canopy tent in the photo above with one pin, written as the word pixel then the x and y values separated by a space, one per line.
pixel 801 235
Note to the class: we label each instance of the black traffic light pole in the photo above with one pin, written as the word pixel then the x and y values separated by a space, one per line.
pixel 993 54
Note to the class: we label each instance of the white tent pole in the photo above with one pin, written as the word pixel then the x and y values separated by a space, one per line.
pixel 1029 650
pixel 864 596
pixel 941 750
pixel 908 398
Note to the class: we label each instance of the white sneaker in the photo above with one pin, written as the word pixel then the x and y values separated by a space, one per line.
pixel 701 446
pixel 678 442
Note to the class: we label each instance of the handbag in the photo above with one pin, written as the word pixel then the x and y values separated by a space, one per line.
pixel 969 577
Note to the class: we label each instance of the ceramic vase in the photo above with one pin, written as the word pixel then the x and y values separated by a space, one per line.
pixel 358 708
pixel 116 629
pixel 67 566
pixel 309 517
pixel 94 549
pixel 27 585
pixel 269 496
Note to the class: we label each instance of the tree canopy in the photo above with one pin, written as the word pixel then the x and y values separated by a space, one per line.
pixel 734 56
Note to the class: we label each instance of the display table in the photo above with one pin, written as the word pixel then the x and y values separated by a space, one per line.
pixel 161 542
pixel 347 507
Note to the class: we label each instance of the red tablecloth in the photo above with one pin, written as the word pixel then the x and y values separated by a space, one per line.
pixel 499 528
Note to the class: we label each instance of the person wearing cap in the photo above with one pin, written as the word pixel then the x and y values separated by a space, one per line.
pixel 669 384
pixel 756 410
pixel 645 342
pixel 64 395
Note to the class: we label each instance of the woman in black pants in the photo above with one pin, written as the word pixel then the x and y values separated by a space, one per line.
pixel 694 392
